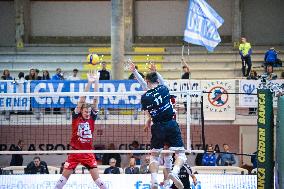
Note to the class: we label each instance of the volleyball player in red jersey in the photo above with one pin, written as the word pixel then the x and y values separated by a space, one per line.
pixel 83 123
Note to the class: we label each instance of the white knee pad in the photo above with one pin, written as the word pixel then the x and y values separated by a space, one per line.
pixel 168 161
pixel 154 159
pixel 181 155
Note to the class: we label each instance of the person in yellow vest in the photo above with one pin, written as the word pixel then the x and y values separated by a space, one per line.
pixel 245 52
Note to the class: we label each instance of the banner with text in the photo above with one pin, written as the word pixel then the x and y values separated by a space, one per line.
pixel 217 104
pixel 250 87
pixel 122 181
pixel 185 85
pixel 14 103
pixel 78 86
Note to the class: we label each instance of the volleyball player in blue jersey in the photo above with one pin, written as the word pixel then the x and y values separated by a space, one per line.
pixel 157 106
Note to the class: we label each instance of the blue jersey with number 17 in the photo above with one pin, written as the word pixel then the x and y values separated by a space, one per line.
pixel 157 102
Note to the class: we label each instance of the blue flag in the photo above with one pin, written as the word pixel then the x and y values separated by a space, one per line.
pixel 202 24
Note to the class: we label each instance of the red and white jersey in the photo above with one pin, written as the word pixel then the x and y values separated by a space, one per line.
pixel 82 131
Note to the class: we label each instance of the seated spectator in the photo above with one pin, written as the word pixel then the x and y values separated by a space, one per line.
pixel 104 74
pixel 227 158
pixel 253 75
pixel 132 169
pixel 132 74
pixel 112 169
pixel 269 75
pixel 107 157
pixel 270 58
pixel 59 75
pixel 74 76
pixel 45 75
pixel 209 158
pixel 37 76
pixel 6 75
pixel 32 75
pixel 37 167
pixel 17 159
pixel 135 146
pixel 144 168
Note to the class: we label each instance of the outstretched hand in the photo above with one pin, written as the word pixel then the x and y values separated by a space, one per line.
pixel 152 67
pixel 131 65
pixel 93 76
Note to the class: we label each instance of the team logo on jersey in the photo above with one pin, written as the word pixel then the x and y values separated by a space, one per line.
pixel 84 132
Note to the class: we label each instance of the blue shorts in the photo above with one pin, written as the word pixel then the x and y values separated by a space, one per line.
pixel 166 132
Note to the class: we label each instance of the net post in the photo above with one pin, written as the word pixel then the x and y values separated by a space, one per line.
pixel 188 120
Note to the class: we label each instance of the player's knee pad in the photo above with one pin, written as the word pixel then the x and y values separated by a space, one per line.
pixel 181 156
pixel 154 159
pixel 168 161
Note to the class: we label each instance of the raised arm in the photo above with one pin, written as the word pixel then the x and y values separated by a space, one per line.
pixel 82 99
pixel 95 76
pixel 185 64
pixel 160 78
pixel 137 75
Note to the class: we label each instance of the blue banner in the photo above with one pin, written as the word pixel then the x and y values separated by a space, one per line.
pixel 202 24
pixel 78 86
pixel 12 102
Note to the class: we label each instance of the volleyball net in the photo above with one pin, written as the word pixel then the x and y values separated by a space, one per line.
pixel 40 114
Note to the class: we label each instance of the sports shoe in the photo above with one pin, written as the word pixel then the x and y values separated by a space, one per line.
pixel 155 186
pixel 176 180
pixel 167 184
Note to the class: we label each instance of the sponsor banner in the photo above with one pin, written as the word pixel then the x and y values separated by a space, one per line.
pixel 265 149
pixel 78 86
pixel 185 85
pixel 251 86
pixel 122 181
pixel 219 106
pixel 104 86
pixel 14 103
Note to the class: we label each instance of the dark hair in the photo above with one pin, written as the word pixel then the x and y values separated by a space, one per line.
pixel 47 77
pixel 136 67
pixel 75 70
pixel 37 157
pixel 21 74
pixel 282 74
pixel 37 70
pixel 152 77
pixel 135 142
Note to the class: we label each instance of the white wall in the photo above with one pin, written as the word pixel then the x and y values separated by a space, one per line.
pixel 7 23
pixel 70 18
pixel 168 18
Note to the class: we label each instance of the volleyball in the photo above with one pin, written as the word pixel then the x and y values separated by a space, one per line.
pixel 93 59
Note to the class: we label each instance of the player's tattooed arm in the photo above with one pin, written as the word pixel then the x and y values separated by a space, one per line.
pixel 137 75
pixel 148 122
